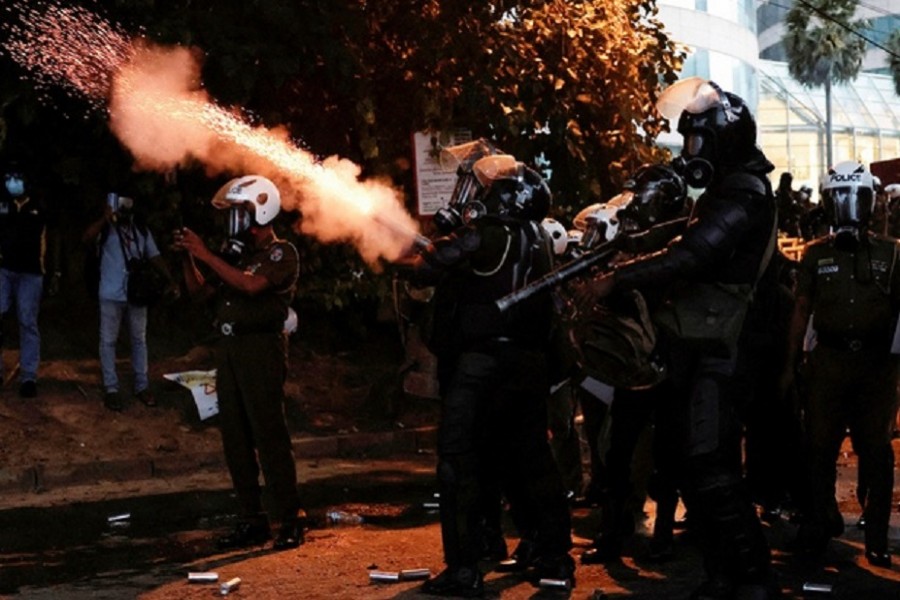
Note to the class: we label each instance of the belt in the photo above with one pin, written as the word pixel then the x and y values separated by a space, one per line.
pixel 232 329
pixel 851 344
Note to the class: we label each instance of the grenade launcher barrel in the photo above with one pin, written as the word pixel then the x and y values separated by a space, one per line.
pixel 571 269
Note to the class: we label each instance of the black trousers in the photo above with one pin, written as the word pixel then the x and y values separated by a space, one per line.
pixel 250 387
pixel 494 430
pixel 706 416
pixel 856 390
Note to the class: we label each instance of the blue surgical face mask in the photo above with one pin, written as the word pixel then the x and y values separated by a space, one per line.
pixel 15 186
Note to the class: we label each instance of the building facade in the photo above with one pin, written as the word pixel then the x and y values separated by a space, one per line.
pixel 737 43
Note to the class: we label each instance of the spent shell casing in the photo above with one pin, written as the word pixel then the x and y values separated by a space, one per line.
pixel 412 574
pixel 229 586
pixel 205 577
pixel 555 584
pixel 822 588
pixel 384 576
pixel 119 517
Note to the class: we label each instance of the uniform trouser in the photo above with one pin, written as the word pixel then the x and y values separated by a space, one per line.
pixel 25 291
pixel 564 440
pixel 706 417
pixel 494 428
pixel 250 387
pixel 595 412
pixel 773 434
pixel 632 412
pixel 855 389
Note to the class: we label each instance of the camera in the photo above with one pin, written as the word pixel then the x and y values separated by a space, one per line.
pixel 119 203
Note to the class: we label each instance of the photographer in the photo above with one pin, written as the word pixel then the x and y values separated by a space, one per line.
pixel 118 237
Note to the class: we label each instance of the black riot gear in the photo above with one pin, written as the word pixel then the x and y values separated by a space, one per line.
pixel 461 159
pixel 659 195
pixel 727 244
pixel 717 126
pixel 514 190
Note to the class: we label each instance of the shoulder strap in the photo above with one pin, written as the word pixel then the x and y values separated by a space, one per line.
pixel 125 254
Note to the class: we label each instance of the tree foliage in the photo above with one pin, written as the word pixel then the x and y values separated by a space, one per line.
pixel 893 47
pixel 570 84
pixel 821 44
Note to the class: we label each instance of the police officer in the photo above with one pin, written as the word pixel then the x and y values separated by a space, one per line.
pixel 492 370
pixel 23 242
pixel 653 215
pixel 254 283
pixel 728 237
pixel 850 282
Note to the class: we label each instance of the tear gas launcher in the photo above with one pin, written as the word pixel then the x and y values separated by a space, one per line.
pixel 596 256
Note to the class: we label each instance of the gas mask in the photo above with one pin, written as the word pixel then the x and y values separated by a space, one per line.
pixel 462 207
pixel 692 164
pixel 848 194
pixel 15 185
pixel 240 219
pixel 250 200
pixel 716 126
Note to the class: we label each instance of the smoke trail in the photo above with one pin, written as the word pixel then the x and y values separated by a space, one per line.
pixel 159 111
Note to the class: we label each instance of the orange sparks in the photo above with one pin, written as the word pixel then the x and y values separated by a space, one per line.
pixel 159 111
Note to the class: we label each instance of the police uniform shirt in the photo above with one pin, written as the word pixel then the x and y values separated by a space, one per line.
pixel 853 294
pixel 263 313
pixel 23 234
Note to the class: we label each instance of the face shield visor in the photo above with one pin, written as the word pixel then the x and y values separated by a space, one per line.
pixel 240 218
pixel 460 159
pixel 849 206
pixel 695 104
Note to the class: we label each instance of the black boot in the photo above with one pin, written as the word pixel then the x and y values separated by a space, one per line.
pixel 246 533
pixel 558 568
pixel 465 582
pixel 290 535
pixel 521 559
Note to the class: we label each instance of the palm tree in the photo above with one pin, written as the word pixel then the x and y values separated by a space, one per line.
pixel 823 48
pixel 893 49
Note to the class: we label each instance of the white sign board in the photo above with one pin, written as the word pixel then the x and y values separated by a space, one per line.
pixel 434 186
pixel 202 385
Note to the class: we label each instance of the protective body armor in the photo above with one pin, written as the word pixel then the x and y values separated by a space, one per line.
pixel 483 262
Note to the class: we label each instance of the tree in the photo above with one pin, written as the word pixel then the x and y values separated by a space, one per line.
pixel 823 48
pixel 569 84
pixel 893 48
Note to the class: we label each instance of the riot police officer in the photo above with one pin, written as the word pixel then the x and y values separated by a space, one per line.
pixel 727 242
pixel 492 368
pixel 254 281
pixel 849 282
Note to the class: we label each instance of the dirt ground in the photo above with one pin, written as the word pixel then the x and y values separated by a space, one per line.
pixel 343 382
pixel 341 379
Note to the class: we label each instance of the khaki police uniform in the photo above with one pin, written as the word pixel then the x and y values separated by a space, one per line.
pixel 854 296
pixel 251 363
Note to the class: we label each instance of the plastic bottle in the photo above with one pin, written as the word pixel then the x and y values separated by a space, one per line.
pixel 339 517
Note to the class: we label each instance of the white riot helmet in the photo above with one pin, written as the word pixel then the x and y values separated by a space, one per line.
pixel 558 235
pixel 251 200
pixel 848 194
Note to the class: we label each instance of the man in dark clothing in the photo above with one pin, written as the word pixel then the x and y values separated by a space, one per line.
pixel 492 372
pixel 850 282
pixel 23 245
pixel 252 298
pixel 726 243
